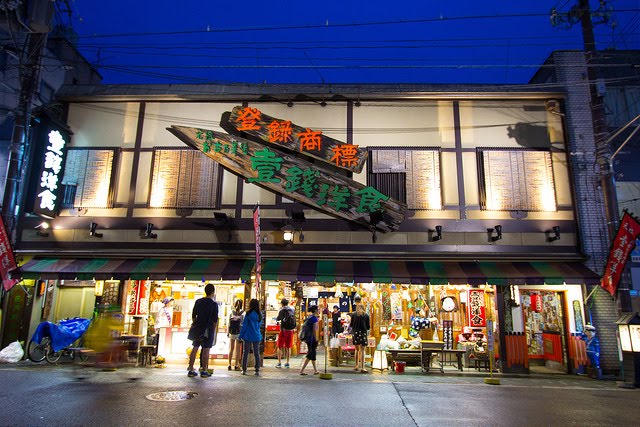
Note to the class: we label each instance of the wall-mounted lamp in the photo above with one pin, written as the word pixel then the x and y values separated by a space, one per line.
pixel 438 233
pixel 357 103
pixel 554 234
pixel 92 230
pixel 225 222
pixel 148 232
pixel 287 234
pixel 498 230
pixel 323 103
pixel 290 104
pixel 41 229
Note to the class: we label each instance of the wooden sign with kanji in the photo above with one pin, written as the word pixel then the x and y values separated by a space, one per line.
pixel 309 142
pixel 296 178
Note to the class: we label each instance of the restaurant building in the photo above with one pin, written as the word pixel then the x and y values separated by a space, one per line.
pixel 444 208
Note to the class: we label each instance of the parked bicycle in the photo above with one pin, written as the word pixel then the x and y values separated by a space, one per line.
pixel 51 341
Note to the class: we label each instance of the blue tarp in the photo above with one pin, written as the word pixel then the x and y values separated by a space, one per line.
pixel 63 333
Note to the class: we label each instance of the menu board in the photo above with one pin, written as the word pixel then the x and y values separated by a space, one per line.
pixel 90 171
pixel 183 179
pixel 517 180
pixel 634 331
pixel 625 338
pixel 422 170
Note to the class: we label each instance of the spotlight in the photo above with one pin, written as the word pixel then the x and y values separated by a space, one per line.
pixel 438 235
pixel 554 234
pixel 290 104
pixel 498 230
pixel 357 103
pixel 148 232
pixel 42 229
pixel 323 103
pixel 92 230
pixel 225 221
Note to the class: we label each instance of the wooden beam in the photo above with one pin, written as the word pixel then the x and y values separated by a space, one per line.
pixel 252 124
pixel 296 178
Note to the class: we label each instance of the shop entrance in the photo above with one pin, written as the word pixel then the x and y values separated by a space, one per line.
pixel 545 329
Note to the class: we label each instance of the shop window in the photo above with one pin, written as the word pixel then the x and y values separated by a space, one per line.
pixel 88 178
pixel 516 180
pixel 410 175
pixel 184 179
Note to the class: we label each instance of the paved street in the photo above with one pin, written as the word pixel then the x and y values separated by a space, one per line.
pixel 46 395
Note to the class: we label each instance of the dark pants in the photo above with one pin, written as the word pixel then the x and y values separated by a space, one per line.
pixel 255 345
pixel 311 354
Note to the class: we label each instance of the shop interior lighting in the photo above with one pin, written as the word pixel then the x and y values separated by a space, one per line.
pixel 41 229
pixel 92 230
pixel 498 230
pixel 148 232
pixel 438 233
pixel 554 234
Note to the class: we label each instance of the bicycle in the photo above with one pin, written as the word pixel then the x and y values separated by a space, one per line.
pixel 39 352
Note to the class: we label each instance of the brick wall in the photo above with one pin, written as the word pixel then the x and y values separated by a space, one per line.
pixel 572 73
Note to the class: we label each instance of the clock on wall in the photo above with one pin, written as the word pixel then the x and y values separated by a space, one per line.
pixel 448 304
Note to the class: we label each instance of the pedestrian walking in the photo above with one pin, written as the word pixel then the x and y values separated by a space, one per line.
pixel 360 327
pixel 204 321
pixel 251 336
pixel 286 318
pixel 308 333
pixel 235 344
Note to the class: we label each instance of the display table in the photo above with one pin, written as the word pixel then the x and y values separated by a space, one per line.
pixel 429 348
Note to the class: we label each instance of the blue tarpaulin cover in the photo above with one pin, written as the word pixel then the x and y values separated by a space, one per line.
pixel 63 333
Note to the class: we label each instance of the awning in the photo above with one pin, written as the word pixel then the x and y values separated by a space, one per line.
pixel 430 272
pixel 137 269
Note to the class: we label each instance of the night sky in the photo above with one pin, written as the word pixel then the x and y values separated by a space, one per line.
pixel 331 41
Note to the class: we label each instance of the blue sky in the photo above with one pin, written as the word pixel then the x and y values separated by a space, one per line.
pixel 162 41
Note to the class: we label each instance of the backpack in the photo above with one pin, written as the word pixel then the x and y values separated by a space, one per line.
pixel 289 320
pixel 235 323
pixel 305 332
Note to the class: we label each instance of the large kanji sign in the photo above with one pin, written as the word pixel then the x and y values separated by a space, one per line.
pixel 476 310
pixel 297 178
pixel 313 143
pixel 622 246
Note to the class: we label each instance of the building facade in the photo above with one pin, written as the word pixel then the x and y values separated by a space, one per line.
pixel 480 221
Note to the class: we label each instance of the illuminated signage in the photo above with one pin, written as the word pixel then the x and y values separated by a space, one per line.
pixel 49 162
pixel 297 178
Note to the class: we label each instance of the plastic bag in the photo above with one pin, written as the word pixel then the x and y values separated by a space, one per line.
pixel 12 353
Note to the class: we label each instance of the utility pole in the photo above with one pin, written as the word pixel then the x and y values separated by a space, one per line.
pixel 20 139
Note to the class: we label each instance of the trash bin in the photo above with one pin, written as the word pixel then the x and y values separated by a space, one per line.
pixel 400 367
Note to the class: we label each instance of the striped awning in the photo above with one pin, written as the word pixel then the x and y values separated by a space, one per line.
pixel 137 269
pixel 430 272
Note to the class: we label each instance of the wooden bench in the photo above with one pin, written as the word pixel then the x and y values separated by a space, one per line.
pixel 447 357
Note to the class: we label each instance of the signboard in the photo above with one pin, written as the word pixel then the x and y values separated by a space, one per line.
pixel 476 309
pixel 297 179
pixel 622 246
pixel 634 332
pixel 253 124
pixel 7 260
pixel 490 335
pixel 49 162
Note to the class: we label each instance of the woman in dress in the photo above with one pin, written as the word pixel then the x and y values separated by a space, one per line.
pixel 360 329
pixel 251 336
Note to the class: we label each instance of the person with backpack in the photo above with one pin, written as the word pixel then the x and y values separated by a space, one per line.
pixel 287 319
pixel 251 336
pixel 235 323
pixel 308 333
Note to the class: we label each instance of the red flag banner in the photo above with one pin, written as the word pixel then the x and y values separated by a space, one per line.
pixel 7 260
pixel 622 246
pixel 256 230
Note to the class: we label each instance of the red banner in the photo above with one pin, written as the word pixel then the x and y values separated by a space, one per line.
pixel 139 298
pixel 622 246
pixel 256 230
pixel 7 260
pixel 476 309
